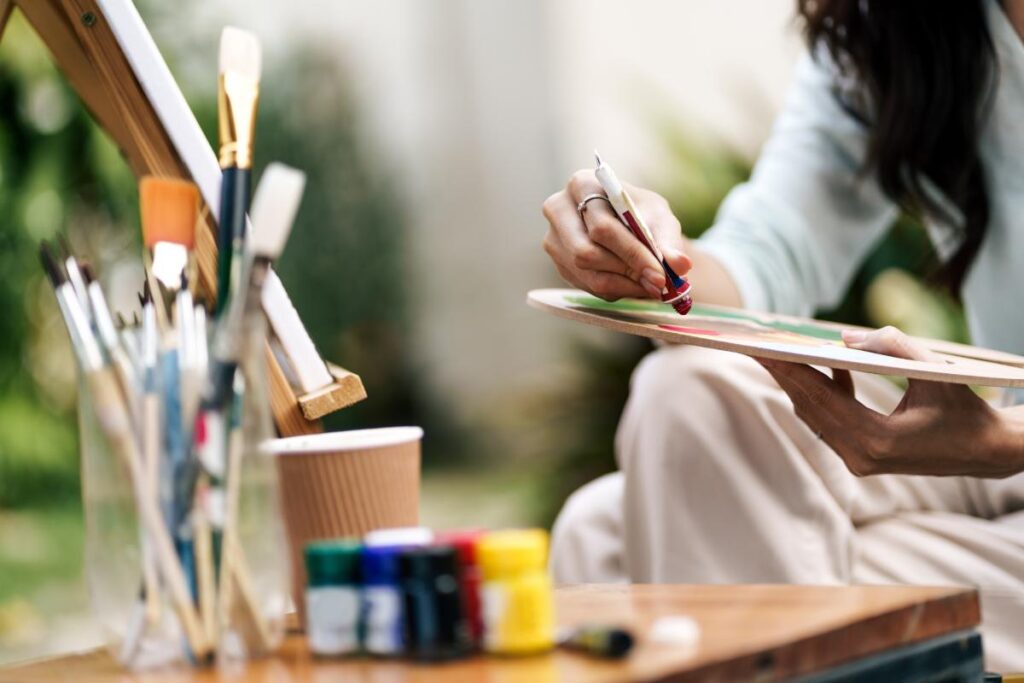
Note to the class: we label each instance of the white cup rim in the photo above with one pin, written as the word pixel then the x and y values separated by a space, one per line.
pixel 352 440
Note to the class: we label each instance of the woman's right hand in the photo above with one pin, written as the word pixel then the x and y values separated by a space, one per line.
pixel 599 254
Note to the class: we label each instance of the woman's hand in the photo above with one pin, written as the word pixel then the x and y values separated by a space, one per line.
pixel 597 253
pixel 937 429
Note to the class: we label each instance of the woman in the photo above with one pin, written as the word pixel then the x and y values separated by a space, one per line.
pixel 900 105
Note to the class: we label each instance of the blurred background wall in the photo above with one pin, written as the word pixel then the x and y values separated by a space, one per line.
pixel 431 130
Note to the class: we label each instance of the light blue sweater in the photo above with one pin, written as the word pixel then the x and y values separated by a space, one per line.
pixel 794 235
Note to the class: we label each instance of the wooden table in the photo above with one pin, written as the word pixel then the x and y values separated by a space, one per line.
pixel 762 633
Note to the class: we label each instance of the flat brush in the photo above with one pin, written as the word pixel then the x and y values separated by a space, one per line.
pixel 273 214
pixel 277 201
pixel 169 209
pixel 274 208
pixel 237 98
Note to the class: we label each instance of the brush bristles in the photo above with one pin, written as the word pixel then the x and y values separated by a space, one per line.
pixel 274 208
pixel 170 209
pixel 50 266
pixel 240 53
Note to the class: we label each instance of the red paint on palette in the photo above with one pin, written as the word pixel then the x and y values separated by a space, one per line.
pixel 690 330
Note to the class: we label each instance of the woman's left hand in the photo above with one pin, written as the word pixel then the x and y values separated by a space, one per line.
pixel 937 429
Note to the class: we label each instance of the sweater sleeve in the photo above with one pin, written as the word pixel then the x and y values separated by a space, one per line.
pixel 793 236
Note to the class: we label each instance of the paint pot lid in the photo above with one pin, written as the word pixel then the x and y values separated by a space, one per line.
pixel 508 554
pixel 333 563
pixel 429 564
pixel 400 536
pixel 353 440
pixel 380 565
pixel 464 541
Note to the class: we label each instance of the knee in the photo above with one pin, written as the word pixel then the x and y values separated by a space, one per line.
pixel 679 396
pixel 676 370
pixel 586 536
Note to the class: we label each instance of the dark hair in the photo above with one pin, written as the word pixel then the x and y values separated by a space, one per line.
pixel 924 74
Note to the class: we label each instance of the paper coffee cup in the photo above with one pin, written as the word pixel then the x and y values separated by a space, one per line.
pixel 345 484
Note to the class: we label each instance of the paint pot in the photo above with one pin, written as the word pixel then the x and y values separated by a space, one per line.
pixel 332 597
pixel 435 625
pixel 465 542
pixel 382 601
pixel 518 609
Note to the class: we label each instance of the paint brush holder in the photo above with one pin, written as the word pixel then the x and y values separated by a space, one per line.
pixel 185 585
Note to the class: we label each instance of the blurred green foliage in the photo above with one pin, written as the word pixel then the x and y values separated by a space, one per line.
pixel 56 168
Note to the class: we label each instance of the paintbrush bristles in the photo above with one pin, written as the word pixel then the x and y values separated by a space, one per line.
pixel 51 267
pixel 170 209
pixel 274 208
pixel 240 53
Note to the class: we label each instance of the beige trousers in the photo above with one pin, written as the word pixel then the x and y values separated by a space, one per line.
pixel 720 482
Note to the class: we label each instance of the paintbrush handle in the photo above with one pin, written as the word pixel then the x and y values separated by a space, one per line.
pixel 206 582
pixel 150 454
pixel 234 202
pixel 231 510
pixel 116 425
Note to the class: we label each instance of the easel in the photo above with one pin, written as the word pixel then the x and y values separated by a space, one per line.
pixel 81 37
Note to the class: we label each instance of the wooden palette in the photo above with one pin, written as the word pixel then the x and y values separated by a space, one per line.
pixel 777 337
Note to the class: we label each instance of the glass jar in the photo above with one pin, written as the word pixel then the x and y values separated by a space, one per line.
pixel 212 580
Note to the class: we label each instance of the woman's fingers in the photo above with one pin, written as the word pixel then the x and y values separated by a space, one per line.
pixel 829 409
pixel 665 226
pixel 605 229
pixel 888 341
pixel 845 380
pixel 593 250
pixel 605 284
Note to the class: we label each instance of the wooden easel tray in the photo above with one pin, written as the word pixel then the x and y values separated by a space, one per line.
pixel 784 338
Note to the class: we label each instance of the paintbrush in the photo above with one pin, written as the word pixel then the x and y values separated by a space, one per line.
pixel 83 343
pixel 107 333
pixel 74 275
pixel 237 97
pixel 202 343
pixel 126 334
pixel 169 208
pixel 116 425
pixel 104 325
pixel 187 353
pixel 218 424
pixel 151 428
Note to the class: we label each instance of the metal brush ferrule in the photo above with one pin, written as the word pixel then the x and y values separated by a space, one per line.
pixel 237 98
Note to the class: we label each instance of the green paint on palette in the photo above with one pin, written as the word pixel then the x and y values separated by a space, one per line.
pixel 808 329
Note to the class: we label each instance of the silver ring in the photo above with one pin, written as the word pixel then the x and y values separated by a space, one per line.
pixel 582 206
